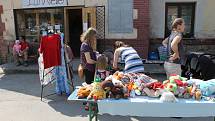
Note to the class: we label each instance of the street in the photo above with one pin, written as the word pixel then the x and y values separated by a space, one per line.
pixel 20 101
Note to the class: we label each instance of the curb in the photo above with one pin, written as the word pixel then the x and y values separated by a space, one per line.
pixel 19 71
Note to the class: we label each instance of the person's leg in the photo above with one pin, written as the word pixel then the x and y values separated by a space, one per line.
pixel 25 53
pixel 89 76
pixel 16 58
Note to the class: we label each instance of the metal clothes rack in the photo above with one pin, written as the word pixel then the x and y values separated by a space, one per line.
pixel 69 78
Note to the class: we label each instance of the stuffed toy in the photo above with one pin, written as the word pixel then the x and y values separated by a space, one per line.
pixel 83 92
pixel 168 97
pixel 176 79
pixel 154 85
pixel 112 90
pixel 151 92
pixel 176 84
pixel 97 92
pixel 116 78
pixel 198 94
pixel 118 75
pixel 138 87
pixel 171 87
pixel 181 92
pixel 153 89
pixel 194 91
pixel 207 87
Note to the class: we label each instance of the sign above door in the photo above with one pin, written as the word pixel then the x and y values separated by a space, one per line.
pixel 43 3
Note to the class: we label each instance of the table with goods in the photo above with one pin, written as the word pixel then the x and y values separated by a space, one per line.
pixel 136 94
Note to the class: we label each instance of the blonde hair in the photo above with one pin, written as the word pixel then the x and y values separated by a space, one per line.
pixel 87 36
pixel 102 62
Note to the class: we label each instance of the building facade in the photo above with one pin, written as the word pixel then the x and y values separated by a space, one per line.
pixel 142 24
pixel 125 20
pixel 199 19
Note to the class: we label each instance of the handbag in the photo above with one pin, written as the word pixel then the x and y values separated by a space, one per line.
pixel 81 71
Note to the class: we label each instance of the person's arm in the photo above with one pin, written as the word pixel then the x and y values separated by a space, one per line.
pixel 115 58
pixel 88 58
pixel 165 42
pixel 174 47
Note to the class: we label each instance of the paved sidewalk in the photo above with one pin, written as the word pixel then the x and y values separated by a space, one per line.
pixel 20 101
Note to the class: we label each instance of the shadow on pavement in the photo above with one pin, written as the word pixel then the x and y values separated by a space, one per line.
pixel 72 109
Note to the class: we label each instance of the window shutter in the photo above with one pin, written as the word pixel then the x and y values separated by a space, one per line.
pixel 126 16
pixel 114 16
pixel 120 16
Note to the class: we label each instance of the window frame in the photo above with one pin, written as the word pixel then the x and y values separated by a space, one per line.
pixel 179 6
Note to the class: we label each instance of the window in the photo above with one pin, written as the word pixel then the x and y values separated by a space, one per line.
pixel 120 16
pixel 180 10
pixel 32 22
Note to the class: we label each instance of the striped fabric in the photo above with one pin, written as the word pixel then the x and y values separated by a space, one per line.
pixel 133 63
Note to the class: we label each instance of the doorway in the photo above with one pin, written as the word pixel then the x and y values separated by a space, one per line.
pixel 75 30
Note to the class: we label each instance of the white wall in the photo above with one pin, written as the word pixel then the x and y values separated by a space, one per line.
pixel 204 18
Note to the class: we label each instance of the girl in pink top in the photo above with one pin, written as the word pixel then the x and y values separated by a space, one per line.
pixel 17 47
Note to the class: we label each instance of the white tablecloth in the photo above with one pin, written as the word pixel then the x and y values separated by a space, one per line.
pixel 152 107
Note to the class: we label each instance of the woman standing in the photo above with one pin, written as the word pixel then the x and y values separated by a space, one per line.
pixel 88 56
pixel 129 56
pixel 175 48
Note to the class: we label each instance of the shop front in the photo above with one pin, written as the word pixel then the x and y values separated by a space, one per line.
pixel 32 23
pixel 72 21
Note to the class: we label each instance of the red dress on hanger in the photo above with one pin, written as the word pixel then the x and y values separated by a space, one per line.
pixel 51 49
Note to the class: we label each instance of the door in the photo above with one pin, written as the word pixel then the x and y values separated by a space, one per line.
pixel 89 20
pixel 73 28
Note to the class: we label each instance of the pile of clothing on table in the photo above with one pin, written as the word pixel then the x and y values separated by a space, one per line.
pixel 120 85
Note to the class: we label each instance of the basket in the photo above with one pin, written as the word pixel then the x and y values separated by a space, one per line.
pixel 162 50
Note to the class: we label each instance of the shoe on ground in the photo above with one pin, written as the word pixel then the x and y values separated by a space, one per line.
pixel 18 64
pixel 25 64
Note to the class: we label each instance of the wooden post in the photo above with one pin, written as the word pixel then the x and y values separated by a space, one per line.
pixel 89 16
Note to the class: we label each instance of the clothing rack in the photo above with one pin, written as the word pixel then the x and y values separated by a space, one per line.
pixel 68 81
pixel 54 79
pixel 43 86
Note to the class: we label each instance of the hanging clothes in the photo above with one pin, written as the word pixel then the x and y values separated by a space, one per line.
pixel 61 72
pixel 46 75
pixel 50 47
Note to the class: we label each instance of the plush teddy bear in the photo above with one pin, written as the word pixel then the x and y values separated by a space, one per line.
pixel 97 91
pixel 83 92
pixel 114 88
